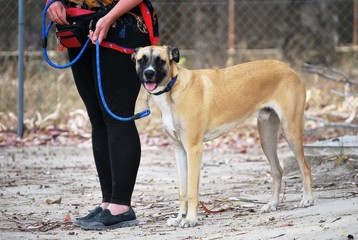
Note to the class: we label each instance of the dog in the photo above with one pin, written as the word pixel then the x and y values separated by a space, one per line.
pixel 201 105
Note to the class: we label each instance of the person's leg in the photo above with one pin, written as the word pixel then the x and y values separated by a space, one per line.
pixel 121 87
pixel 86 86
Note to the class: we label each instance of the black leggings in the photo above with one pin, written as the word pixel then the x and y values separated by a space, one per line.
pixel 116 144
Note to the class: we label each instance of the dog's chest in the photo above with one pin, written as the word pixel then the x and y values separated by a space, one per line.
pixel 167 117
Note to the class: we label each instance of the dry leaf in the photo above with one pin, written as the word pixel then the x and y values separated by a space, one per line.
pixel 54 201
pixel 68 218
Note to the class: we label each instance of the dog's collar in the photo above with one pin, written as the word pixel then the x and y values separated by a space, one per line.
pixel 168 87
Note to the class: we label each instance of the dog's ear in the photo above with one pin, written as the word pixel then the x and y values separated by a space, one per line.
pixel 134 54
pixel 174 54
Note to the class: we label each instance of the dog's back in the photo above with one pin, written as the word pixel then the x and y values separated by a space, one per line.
pixel 247 88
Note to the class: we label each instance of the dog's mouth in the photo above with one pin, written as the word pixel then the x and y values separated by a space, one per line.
pixel 150 86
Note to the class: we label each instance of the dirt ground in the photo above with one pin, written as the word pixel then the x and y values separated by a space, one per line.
pixel 42 187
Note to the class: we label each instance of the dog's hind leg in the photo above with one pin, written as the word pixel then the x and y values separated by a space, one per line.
pixel 293 130
pixel 182 166
pixel 268 126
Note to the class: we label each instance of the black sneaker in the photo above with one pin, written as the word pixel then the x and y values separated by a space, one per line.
pixel 105 220
pixel 79 221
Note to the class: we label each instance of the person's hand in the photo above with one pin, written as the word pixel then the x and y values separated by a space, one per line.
pixel 57 13
pixel 101 30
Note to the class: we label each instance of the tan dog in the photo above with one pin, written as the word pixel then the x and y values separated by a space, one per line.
pixel 201 105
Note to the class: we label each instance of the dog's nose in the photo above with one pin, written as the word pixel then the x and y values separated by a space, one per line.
pixel 149 73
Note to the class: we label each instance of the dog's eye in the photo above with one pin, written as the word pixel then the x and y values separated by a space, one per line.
pixel 143 60
pixel 159 61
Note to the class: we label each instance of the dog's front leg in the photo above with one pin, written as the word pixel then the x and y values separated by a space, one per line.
pixel 181 160
pixel 194 155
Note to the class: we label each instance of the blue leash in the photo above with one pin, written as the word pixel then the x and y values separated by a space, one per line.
pixel 135 116
pixel 45 32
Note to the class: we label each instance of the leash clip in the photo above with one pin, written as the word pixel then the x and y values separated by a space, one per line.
pixel 90 24
pixel 147 101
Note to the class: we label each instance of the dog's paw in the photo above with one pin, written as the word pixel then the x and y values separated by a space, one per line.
pixel 185 223
pixel 174 222
pixel 269 208
pixel 306 202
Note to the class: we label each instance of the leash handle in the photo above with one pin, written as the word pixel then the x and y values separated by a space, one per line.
pixel 45 32
pixel 142 114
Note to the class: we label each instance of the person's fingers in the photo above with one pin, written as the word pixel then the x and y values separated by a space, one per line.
pixel 91 36
pixel 58 18
pixel 57 13
pixel 102 35
pixel 63 16
pixel 100 32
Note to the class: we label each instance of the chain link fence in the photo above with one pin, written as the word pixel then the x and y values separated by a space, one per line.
pixel 302 30
pixel 299 31
pixel 209 33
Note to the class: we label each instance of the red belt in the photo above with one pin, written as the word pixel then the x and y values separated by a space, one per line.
pixel 116 47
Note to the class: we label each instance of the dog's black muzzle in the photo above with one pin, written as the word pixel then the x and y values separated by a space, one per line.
pixel 149 75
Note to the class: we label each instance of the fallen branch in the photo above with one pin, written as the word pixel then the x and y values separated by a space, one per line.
pixel 328 73
pixel 329 124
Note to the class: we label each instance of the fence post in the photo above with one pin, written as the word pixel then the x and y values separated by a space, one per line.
pixel 231 33
pixel 20 65
pixel 355 23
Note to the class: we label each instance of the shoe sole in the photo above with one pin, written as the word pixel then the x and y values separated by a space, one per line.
pixel 114 226
pixel 79 223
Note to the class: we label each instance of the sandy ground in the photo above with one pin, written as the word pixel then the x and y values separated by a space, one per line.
pixel 40 186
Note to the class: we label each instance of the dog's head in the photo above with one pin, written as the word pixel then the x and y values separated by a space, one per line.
pixel 154 65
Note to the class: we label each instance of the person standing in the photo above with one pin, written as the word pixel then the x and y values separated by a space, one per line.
pixel 116 144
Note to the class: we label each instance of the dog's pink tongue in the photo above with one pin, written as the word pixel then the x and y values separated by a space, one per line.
pixel 150 86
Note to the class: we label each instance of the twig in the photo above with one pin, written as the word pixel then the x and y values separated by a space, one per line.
pixel 208 211
pixel 284 192
pixel 340 94
pixel 283 234
pixel 337 219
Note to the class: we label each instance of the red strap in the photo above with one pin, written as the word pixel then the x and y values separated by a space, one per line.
pixel 114 46
pixel 74 12
pixel 148 22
